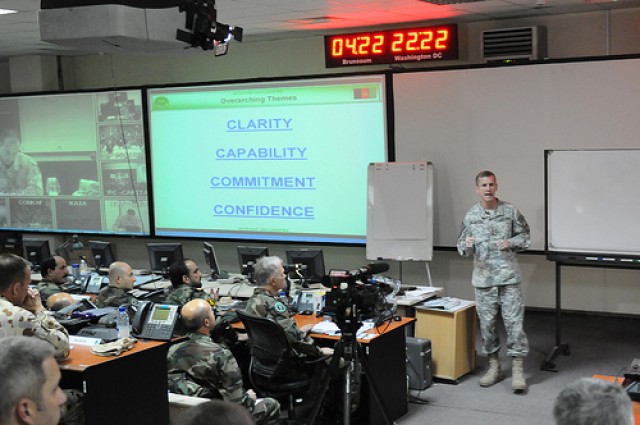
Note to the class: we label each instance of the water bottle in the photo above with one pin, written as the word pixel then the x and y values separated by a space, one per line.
pixel 283 298
pixel 84 268
pixel 75 272
pixel 122 322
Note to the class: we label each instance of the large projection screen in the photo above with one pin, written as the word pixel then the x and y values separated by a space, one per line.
pixel 281 160
pixel 503 119
pixel 74 163
pixel 592 206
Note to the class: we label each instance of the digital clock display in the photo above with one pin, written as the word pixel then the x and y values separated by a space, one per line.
pixel 393 46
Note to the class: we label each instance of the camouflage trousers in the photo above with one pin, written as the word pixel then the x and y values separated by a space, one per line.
pixel 266 411
pixel 506 301
pixel 72 411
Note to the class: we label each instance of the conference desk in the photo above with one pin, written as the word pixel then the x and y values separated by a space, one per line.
pixel 636 405
pixel 128 389
pixel 385 354
pixel 233 287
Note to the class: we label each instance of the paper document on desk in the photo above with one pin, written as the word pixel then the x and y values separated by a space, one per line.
pixel 446 304
pixel 326 327
pixel 330 328
pixel 422 291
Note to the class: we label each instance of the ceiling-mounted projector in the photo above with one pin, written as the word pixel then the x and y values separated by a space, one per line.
pixel 121 26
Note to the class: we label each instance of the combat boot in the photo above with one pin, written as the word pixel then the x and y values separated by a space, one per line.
pixel 494 374
pixel 518 383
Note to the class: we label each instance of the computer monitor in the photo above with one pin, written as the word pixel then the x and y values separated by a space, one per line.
pixel 211 260
pixel 163 255
pixel 36 250
pixel 11 242
pixel 248 255
pixel 102 253
pixel 313 259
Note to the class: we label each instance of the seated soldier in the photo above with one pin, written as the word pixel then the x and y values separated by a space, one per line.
pixel 121 280
pixel 22 314
pixel 186 279
pixel 54 274
pixel 270 278
pixel 200 367
pixel 60 300
pixel 268 273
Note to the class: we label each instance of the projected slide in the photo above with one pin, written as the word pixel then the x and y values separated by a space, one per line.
pixel 73 163
pixel 268 161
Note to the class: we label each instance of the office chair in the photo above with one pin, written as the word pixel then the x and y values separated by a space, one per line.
pixel 275 370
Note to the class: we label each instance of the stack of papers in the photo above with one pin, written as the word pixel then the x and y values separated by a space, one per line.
pixel 326 327
pixel 446 304
pixel 330 328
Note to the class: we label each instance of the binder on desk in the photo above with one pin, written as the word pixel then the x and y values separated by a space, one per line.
pixel 445 304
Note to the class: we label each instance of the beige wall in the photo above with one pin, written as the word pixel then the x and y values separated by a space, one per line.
pixel 578 35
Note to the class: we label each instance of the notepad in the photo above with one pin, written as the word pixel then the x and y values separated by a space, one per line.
pixel 326 327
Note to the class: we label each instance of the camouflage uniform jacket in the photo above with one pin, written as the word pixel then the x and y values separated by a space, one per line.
pixel 15 321
pixel 263 304
pixel 491 266
pixel 200 367
pixel 48 288
pixel 183 294
pixel 114 297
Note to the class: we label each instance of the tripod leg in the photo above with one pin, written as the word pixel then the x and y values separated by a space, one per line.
pixel 331 370
pixel 351 357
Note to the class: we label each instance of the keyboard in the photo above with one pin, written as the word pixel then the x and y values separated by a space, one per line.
pixel 143 280
pixel 138 293
pixel 74 325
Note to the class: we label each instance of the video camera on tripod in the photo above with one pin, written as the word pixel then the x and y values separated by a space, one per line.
pixel 355 294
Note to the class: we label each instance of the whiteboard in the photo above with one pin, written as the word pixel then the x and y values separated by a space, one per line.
pixel 593 202
pixel 400 211
pixel 503 119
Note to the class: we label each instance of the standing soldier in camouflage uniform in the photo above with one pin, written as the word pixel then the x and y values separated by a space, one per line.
pixel 268 273
pixel 493 231
pixel 200 367
pixel 54 274
pixel 22 314
pixel 186 279
pixel 121 280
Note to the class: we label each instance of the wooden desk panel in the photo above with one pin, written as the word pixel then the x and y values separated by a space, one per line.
pixel 129 389
pixel 81 358
pixel 385 355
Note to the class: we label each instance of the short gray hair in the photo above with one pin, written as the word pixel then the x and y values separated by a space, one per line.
pixel 594 402
pixel 266 268
pixel 21 372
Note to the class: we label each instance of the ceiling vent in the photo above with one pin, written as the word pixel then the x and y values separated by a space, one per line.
pixel 514 44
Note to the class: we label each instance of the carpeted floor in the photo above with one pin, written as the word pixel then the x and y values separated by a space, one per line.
pixel 598 345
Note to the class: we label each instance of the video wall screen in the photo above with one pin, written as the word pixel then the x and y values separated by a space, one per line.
pixel 282 161
pixel 74 163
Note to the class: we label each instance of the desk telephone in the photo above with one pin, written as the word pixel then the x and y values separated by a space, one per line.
pixel 93 283
pixel 155 321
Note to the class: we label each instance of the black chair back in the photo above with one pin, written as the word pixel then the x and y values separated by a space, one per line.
pixel 272 358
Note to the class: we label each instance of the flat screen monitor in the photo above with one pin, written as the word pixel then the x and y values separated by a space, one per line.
pixel 102 253
pixel 81 161
pixel 248 255
pixel 11 242
pixel 36 250
pixel 210 259
pixel 312 259
pixel 268 160
pixel 163 255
